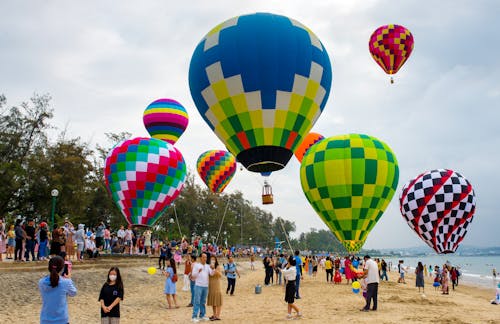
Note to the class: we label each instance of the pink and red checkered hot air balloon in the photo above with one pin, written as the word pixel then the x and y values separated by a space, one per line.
pixel 390 46
pixel 144 176
pixel 216 168
pixel 165 119
pixel 439 205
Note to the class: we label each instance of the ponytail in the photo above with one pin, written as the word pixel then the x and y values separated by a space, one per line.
pixel 56 264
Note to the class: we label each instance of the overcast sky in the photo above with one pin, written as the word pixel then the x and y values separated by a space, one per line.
pixel 103 62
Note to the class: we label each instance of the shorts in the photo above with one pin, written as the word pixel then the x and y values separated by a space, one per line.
pixel 11 242
pixel 402 275
pixel 290 292
pixel 128 243
pixel 79 246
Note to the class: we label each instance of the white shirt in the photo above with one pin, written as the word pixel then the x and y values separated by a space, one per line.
pixel 128 235
pixel 120 233
pixel 290 273
pixel 372 267
pixel 201 278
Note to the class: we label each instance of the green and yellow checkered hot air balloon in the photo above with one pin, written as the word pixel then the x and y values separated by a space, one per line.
pixel 350 180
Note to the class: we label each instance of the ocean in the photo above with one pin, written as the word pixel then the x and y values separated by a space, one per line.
pixel 475 270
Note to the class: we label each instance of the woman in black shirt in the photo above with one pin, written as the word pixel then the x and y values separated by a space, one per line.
pixel 110 297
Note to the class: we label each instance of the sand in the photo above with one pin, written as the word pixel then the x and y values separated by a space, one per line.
pixel 145 302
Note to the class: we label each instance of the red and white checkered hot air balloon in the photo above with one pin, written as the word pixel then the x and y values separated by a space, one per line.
pixel 439 205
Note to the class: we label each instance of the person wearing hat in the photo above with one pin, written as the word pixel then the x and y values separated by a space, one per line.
pixel 370 272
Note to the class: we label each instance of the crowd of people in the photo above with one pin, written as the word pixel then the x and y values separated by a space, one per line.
pixel 26 241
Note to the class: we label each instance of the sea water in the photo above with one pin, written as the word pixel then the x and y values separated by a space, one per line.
pixel 474 270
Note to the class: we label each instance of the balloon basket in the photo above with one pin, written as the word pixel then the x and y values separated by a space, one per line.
pixel 267 199
pixel 267 194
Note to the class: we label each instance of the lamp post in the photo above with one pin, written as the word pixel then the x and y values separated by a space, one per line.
pixel 54 193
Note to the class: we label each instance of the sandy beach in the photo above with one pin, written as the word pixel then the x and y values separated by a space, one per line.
pixel 145 302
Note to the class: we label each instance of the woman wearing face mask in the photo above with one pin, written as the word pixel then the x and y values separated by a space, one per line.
pixel 110 297
pixel 214 298
pixel 54 288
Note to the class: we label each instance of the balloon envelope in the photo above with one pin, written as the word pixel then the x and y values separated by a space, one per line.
pixel 390 46
pixel 309 140
pixel 439 205
pixel 216 168
pixel 349 180
pixel 144 176
pixel 260 82
pixel 165 119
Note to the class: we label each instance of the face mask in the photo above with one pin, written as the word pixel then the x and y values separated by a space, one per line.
pixel 212 263
pixel 112 277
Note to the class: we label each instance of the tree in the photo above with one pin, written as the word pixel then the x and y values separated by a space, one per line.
pixel 22 130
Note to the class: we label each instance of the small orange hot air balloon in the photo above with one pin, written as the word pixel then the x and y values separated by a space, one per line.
pixel 309 140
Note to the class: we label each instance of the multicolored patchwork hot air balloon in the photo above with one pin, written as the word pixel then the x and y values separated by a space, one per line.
pixel 260 81
pixel 216 168
pixel 439 205
pixel 165 119
pixel 309 140
pixel 144 176
pixel 391 46
pixel 349 180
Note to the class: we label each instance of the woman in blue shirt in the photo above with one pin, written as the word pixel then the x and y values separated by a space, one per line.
pixel 54 288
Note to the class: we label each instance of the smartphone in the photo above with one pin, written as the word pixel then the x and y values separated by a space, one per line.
pixel 65 270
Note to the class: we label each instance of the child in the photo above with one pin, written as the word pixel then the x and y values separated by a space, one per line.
pixel 163 255
pixel 170 288
pixel 68 266
pixel 110 297
pixel 364 287
pixel 338 277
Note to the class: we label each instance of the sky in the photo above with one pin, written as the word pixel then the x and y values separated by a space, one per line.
pixel 103 62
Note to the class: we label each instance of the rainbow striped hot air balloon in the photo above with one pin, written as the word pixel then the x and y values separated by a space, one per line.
pixel 216 168
pixel 165 119
pixel 144 176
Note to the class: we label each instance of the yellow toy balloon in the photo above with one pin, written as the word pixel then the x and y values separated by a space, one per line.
pixel 356 285
pixel 151 270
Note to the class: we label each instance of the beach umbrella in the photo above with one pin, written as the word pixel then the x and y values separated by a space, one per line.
pixel 390 46
pixel 260 81
pixel 165 119
pixel 144 176
pixel 349 181
pixel 439 206
pixel 216 168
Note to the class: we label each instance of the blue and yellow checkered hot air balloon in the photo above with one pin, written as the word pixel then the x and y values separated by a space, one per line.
pixel 260 81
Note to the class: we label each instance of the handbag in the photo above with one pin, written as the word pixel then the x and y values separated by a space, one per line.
pixel 175 278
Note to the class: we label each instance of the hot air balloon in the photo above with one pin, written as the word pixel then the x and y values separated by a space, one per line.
pixel 144 176
pixel 260 82
pixel 216 168
pixel 391 46
pixel 165 119
pixel 439 205
pixel 309 140
pixel 349 180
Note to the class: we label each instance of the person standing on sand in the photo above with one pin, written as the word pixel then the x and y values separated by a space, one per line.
pixel 383 269
pixel 170 283
pixel 231 272
pixel 419 276
pixel 298 267
pixel 201 272
pixel 370 272
pixel 401 270
pixel 214 297
pixel 290 274
pixel 110 297
pixel 191 280
pixel 54 288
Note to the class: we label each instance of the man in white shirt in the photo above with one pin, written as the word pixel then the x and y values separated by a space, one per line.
pixel 370 272
pixel 200 273
pixel 121 235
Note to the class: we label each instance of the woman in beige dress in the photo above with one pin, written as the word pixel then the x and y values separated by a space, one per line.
pixel 69 231
pixel 214 298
